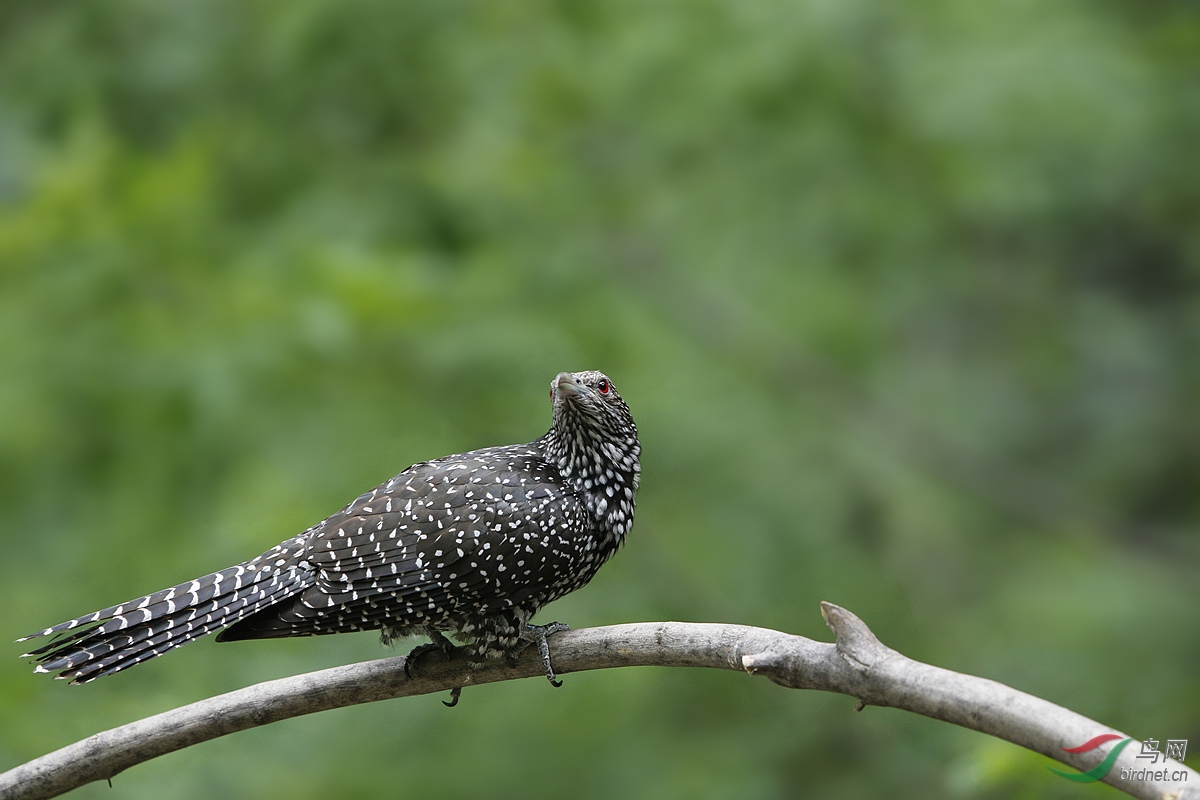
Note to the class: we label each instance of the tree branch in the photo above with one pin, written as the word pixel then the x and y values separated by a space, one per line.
pixel 857 665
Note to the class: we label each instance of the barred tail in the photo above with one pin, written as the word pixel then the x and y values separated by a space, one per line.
pixel 138 630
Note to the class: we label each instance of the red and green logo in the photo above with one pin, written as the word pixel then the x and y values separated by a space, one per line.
pixel 1100 770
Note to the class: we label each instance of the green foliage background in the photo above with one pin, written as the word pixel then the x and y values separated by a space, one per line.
pixel 905 299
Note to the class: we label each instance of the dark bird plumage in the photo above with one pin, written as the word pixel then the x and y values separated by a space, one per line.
pixel 470 544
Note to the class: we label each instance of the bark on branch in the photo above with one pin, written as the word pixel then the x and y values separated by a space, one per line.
pixel 857 665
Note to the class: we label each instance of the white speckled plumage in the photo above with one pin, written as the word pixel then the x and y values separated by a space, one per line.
pixel 471 544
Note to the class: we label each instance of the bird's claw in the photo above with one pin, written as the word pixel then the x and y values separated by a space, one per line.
pixel 537 634
pixel 442 645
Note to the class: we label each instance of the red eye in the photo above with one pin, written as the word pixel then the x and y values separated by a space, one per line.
pixel 603 386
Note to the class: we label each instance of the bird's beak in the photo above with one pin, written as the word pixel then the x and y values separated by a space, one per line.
pixel 565 385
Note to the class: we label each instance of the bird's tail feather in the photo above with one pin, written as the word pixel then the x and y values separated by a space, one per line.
pixel 140 629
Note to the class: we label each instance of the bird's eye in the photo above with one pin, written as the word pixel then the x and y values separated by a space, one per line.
pixel 603 386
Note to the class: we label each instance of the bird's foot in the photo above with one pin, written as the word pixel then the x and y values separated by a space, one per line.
pixel 439 643
pixel 537 634
pixel 442 645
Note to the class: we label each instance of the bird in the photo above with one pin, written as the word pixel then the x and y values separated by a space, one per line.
pixel 472 544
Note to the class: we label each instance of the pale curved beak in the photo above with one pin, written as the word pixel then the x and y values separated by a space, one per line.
pixel 565 385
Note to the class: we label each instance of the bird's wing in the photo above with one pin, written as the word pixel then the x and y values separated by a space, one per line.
pixel 473 529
